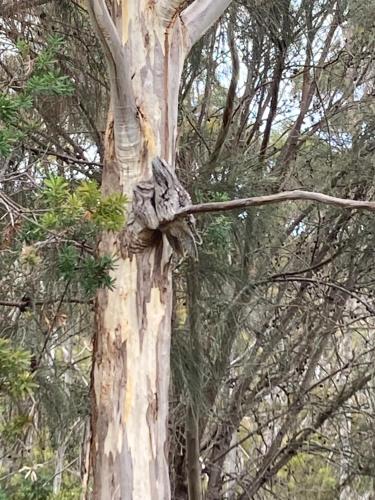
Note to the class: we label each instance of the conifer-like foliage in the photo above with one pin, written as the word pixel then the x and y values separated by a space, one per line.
pixel 273 326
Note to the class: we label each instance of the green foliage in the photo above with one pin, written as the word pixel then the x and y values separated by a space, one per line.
pixel 89 195
pixel 67 494
pixel 95 273
pixel 8 138
pixel 67 261
pixel 306 472
pixel 217 228
pixel 11 105
pixel 8 108
pixel 15 428
pixel 109 213
pixel 51 83
pixel 47 57
pixel 16 382
pixel 90 272
pixel 36 483
pixel 15 378
pixel 55 190
pixel 218 232
pixel 85 205
pixel 76 215
pixel 45 79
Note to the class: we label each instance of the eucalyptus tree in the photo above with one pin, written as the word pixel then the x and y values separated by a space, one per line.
pixel 145 44
pixel 247 342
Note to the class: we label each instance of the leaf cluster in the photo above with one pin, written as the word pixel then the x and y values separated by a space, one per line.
pixel 84 206
pixel 90 272
pixel 44 79
pixel 76 215
pixel 15 378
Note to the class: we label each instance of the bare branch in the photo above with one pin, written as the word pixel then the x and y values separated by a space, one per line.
pixel 26 304
pixel 328 284
pixel 8 303
pixel 106 31
pixel 201 15
pixel 229 105
pixel 66 157
pixel 296 195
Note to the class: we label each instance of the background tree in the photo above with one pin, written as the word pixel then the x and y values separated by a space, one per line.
pixel 272 326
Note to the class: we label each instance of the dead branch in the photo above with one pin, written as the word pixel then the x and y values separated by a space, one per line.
pixel 296 195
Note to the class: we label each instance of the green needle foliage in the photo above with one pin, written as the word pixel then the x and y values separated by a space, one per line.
pixel 15 378
pixel 85 205
pixel 44 79
pixel 78 216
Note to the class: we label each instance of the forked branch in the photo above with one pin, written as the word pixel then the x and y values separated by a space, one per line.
pixel 201 15
pixel 119 73
pixel 168 9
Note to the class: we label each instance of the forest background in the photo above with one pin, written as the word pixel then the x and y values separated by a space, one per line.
pixel 272 386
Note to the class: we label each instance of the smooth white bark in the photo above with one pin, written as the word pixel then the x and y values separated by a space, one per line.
pixel 131 365
pixel 201 15
pixel 123 106
pixel 168 9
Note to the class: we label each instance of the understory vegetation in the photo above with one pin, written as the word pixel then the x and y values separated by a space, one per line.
pixel 273 324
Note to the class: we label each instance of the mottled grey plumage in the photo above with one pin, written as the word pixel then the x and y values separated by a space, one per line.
pixel 170 196
pixel 155 205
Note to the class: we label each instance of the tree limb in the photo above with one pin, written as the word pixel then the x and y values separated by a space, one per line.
pixel 167 9
pixel 123 100
pixel 231 96
pixel 257 201
pixel 201 15
pixel 28 303
pixel 329 284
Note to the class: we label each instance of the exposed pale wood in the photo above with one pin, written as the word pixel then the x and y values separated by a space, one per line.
pixel 131 378
pixel 168 9
pixel 123 107
pixel 199 16
pixel 131 368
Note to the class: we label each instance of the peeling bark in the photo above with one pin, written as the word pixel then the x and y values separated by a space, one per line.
pixel 145 44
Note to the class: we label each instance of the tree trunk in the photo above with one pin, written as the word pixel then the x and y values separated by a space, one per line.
pixel 145 44
pixel 131 367
pixel 192 456
pixel 193 465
